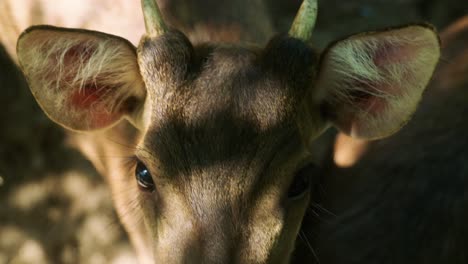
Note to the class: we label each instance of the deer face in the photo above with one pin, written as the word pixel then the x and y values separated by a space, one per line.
pixel 223 159
pixel 225 149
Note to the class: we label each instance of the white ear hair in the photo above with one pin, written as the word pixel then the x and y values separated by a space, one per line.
pixel 82 79
pixel 373 82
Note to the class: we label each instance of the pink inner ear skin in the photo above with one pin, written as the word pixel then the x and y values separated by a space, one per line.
pixel 102 118
pixel 386 56
pixel 374 106
pixel 391 53
pixel 86 97
pixel 366 101
pixel 90 101
pixel 81 52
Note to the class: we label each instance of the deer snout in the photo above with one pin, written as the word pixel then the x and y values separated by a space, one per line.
pixel 219 236
pixel 196 242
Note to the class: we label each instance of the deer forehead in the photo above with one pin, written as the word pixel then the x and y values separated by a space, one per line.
pixel 221 138
pixel 230 105
pixel 248 80
pixel 230 81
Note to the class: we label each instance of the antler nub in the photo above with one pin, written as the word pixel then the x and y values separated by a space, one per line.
pixel 154 22
pixel 304 22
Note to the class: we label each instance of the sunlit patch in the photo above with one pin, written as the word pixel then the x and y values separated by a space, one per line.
pixel 29 195
pixel 71 185
pixel 31 252
pixel 75 184
pixel 124 257
pixel 96 228
pixel 11 237
pixel 26 250
pixel 348 150
pixel 71 208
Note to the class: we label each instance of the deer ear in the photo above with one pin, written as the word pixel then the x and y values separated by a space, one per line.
pixel 371 83
pixel 83 80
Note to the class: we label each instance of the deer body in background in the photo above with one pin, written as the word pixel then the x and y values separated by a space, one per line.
pixel 227 21
pixel 217 135
pixel 404 199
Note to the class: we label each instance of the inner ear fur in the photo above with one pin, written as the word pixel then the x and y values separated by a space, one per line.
pixel 370 83
pixel 83 80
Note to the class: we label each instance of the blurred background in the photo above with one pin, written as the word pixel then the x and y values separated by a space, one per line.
pixel 54 208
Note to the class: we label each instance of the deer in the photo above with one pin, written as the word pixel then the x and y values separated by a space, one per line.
pixel 214 131
pixel 403 199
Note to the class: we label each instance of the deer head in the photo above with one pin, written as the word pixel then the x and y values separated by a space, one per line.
pixel 223 159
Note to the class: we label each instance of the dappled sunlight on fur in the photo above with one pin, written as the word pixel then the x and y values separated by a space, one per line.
pixel 215 166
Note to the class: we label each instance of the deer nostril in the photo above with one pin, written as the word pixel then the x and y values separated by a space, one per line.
pixel 144 178
pixel 301 182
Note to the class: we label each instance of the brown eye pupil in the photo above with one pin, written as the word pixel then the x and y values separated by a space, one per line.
pixel 144 178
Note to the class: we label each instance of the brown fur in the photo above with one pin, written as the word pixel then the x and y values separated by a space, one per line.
pixel 224 129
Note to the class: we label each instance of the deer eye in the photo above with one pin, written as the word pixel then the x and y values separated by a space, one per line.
pixel 301 182
pixel 143 177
